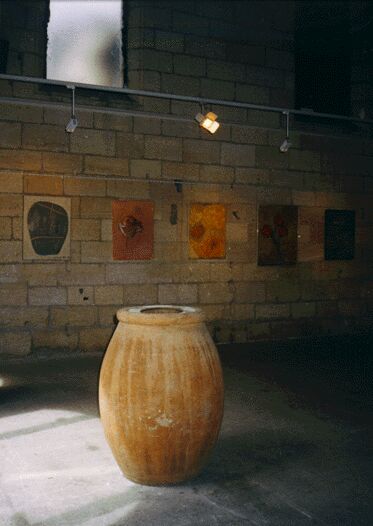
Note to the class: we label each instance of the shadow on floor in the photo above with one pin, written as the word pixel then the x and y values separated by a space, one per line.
pixel 67 383
pixel 294 448
pixel 333 376
pixel 224 493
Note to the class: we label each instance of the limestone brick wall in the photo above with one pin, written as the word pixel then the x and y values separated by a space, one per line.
pixel 196 50
pixel 72 304
pixel 233 50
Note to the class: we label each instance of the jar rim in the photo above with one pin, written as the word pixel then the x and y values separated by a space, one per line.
pixel 160 315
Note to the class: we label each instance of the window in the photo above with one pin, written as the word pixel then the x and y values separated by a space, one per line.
pixel 4 49
pixel 323 58
pixel 85 42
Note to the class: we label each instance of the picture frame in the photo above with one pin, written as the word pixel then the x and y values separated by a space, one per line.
pixel 46 227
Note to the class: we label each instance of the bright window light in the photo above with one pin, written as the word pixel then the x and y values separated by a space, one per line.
pixel 85 42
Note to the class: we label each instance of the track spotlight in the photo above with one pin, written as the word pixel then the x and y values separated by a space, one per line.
pixel 286 144
pixel 73 122
pixel 71 125
pixel 208 121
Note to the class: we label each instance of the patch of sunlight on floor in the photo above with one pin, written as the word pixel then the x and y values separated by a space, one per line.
pixel 56 462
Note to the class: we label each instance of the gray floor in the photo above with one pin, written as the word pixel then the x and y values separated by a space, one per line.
pixel 281 459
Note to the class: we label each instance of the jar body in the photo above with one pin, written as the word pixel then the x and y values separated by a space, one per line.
pixel 161 397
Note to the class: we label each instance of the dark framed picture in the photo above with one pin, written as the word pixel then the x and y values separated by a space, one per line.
pixel 339 234
pixel 277 234
pixel 46 227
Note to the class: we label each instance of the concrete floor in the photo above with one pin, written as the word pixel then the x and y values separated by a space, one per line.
pixel 294 447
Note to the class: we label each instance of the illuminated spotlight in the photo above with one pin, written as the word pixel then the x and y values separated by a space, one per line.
pixel 73 122
pixel 208 121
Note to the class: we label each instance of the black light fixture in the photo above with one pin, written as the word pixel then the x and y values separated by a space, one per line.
pixel 178 186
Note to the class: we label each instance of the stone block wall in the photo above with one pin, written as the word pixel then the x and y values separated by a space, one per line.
pixel 240 51
pixel 194 48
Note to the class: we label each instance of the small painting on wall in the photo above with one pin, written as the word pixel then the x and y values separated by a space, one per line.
pixel 133 229
pixel 339 234
pixel 207 231
pixel 277 234
pixel 46 227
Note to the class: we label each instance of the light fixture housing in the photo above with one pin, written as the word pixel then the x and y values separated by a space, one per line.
pixel 72 125
pixel 285 145
pixel 208 122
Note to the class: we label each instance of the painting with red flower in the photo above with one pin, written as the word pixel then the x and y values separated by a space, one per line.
pixel 207 231
pixel 133 229
pixel 277 234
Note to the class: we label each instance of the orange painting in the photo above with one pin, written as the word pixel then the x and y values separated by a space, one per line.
pixel 207 231
pixel 133 229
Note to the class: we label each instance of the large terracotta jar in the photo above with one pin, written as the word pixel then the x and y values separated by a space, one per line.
pixel 161 393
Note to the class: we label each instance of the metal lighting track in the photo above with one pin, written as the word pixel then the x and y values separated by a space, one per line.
pixel 98 109
pixel 120 178
pixel 184 98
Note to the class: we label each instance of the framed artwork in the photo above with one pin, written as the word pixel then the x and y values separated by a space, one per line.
pixel 277 234
pixel 207 231
pixel 46 227
pixel 339 234
pixel 310 233
pixel 133 229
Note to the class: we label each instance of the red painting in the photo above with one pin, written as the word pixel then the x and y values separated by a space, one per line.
pixel 133 229
pixel 277 235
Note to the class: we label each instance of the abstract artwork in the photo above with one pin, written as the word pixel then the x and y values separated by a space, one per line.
pixel 46 227
pixel 310 233
pixel 207 231
pixel 339 234
pixel 277 234
pixel 133 229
